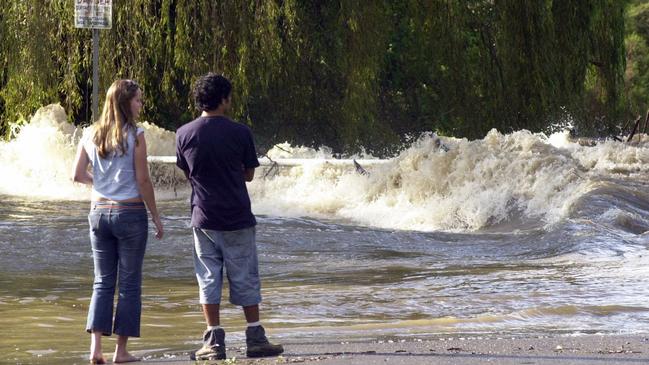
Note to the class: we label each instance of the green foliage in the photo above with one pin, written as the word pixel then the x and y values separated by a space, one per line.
pixel 41 60
pixel 348 74
pixel 637 56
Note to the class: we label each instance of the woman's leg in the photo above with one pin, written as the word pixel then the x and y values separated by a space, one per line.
pixel 100 312
pixel 121 354
pixel 131 247
pixel 96 355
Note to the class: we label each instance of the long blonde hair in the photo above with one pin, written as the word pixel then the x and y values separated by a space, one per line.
pixel 110 134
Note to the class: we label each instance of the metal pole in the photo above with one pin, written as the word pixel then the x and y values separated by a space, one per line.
pixel 95 74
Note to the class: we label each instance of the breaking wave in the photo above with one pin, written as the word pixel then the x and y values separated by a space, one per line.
pixel 521 179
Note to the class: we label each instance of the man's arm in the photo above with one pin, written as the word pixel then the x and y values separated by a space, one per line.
pixel 249 174
pixel 250 161
pixel 180 159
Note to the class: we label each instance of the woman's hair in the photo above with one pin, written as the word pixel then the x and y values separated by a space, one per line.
pixel 210 90
pixel 110 134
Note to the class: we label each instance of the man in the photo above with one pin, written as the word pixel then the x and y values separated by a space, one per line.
pixel 218 156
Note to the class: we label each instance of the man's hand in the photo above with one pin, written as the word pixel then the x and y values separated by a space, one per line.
pixel 249 174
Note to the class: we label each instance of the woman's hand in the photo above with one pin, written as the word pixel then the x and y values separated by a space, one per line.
pixel 158 227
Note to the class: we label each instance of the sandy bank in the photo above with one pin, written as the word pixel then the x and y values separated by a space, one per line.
pixel 589 349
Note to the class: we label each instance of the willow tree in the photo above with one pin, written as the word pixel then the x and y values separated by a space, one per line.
pixel 341 73
pixel 43 57
pixel 4 64
pixel 637 57
pixel 237 38
pixel 561 56
pixel 606 73
pixel 326 84
pixel 140 46
pixel 527 46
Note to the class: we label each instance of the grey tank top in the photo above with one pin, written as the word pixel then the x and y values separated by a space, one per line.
pixel 114 177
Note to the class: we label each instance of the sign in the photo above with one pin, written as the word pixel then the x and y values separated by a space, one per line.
pixel 95 14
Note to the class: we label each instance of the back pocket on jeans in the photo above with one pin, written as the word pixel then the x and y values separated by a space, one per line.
pixel 134 223
pixel 93 221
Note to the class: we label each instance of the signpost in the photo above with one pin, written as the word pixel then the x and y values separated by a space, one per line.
pixel 95 15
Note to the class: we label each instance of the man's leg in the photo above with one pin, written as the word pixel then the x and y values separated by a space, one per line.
pixel 252 313
pixel 257 344
pixel 208 264
pixel 240 259
pixel 212 315
pixel 256 341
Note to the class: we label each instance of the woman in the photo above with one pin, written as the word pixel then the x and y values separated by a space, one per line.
pixel 121 191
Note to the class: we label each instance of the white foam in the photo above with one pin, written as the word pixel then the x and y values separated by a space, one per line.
pixel 159 141
pixel 37 163
pixel 285 150
pixel 520 176
pixel 473 185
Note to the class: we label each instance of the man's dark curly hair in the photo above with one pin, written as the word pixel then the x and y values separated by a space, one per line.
pixel 210 90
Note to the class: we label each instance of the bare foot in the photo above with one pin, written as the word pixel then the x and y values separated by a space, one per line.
pixel 97 360
pixel 118 359
pixel 96 356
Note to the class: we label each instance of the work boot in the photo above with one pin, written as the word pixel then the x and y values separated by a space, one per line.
pixel 257 344
pixel 213 346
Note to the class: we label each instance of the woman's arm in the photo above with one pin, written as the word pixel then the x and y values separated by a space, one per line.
pixel 81 162
pixel 144 183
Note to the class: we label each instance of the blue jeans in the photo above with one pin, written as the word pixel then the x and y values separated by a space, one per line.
pixel 118 235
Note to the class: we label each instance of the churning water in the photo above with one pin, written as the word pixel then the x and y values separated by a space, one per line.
pixel 512 234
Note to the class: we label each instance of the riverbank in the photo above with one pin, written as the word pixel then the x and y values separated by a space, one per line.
pixel 564 350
